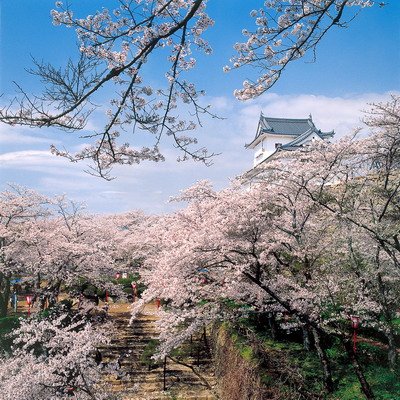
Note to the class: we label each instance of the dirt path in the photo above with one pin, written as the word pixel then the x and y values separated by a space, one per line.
pixel 135 381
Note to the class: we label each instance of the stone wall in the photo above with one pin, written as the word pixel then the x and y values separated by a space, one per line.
pixel 236 368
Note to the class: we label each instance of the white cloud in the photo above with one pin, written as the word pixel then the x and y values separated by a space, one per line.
pixel 26 158
pixel 39 160
pixel 112 192
pixel 11 135
pixel 220 104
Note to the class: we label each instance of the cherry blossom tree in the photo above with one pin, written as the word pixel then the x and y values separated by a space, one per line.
pixel 117 46
pixel 18 206
pixel 250 248
pixel 128 238
pixel 54 358
pixel 54 244
pixel 358 182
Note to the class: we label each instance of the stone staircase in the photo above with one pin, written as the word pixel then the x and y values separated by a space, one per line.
pixel 134 380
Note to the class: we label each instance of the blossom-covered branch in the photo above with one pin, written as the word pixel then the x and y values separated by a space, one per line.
pixel 287 31
pixel 115 48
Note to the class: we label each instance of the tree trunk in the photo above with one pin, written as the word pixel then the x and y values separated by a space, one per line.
pixel 306 338
pixel 48 297
pixel 324 360
pixel 206 345
pixel 38 281
pixel 42 301
pixel 392 349
pixel 348 345
pixel 53 293
pixel 5 291
pixel 165 374
pixel 273 327
pixel 3 306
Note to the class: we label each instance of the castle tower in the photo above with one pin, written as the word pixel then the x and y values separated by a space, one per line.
pixel 283 134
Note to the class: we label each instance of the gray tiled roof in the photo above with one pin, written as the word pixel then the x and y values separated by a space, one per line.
pixel 285 126
pixel 294 127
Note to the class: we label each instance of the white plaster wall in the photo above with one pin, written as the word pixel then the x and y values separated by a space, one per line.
pixel 267 147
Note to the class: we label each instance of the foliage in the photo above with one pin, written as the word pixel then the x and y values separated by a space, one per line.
pixel 396 324
pixel 126 284
pixel 7 325
pixel 149 351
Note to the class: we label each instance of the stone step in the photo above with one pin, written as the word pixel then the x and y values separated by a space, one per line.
pixel 121 346
pixel 190 381
pixel 168 395
pixel 134 381
pixel 132 340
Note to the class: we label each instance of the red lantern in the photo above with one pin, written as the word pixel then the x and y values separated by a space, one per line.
pixel 29 302
pixel 134 290
pixel 355 323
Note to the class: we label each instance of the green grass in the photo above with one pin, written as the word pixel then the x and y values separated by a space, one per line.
pixel 281 346
pixel 384 383
pixel 306 369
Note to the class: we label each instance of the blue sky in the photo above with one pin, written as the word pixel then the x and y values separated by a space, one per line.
pixel 355 66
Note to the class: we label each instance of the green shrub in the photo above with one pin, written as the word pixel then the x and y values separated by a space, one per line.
pixel 247 353
pixel 396 324
pixel 148 352
pixel 7 325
